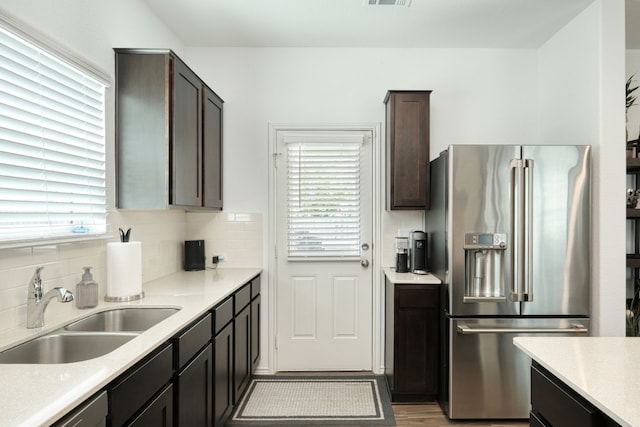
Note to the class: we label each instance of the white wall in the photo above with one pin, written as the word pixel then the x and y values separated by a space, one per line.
pixel 580 102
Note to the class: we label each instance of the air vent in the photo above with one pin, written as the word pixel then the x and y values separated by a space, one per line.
pixel 404 3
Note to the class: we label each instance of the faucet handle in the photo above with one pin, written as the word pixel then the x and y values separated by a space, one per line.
pixel 36 282
pixel 36 274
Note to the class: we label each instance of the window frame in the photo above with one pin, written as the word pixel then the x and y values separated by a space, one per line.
pixel 90 71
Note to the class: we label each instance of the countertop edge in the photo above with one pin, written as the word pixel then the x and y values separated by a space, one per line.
pixel 410 278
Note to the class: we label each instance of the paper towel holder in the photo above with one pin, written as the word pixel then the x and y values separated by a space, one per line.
pixel 124 272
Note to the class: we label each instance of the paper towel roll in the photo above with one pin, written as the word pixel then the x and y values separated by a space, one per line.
pixel 124 271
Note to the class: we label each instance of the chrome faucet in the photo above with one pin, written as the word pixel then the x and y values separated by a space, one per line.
pixel 37 303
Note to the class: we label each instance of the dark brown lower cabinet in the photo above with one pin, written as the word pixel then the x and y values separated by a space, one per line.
pixel 255 333
pixel 241 352
pixel 159 412
pixel 412 336
pixel 194 391
pixel 223 375
pixel 129 394
pixel 554 404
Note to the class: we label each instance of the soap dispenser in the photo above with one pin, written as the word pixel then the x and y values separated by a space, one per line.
pixel 87 290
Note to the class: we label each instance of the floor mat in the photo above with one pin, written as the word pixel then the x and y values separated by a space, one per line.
pixel 314 401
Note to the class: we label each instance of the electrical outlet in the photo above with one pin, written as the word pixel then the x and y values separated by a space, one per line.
pixel 216 259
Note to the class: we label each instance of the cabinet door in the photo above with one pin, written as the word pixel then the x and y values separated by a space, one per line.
pixel 131 391
pixel 416 339
pixel 186 149
pixel 241 352
pixel 212 149
pixel 194 390
pixel 407 118
pixel 157 413
pixel 255 333
pixel 223 375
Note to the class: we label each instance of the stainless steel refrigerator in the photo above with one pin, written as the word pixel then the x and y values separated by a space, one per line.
pixel 510 238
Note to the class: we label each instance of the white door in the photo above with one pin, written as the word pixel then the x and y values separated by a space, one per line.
pixel 324 231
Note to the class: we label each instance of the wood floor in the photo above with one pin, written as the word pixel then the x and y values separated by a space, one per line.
pixel 430 415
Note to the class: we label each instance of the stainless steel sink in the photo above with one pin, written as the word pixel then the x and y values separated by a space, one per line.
pixel 94 336
pixel 122 320
pixel 61 347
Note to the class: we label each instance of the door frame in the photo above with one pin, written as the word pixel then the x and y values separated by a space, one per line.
pixel 377 329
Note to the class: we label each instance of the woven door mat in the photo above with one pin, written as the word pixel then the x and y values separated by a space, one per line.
pixel 314 401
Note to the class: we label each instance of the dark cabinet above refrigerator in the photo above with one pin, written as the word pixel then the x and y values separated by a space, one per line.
pixel 407 148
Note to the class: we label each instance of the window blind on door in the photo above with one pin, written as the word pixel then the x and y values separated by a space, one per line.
pixel 52 146
pixel 323 198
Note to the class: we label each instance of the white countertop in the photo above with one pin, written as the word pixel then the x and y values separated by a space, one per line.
pixel 40 394
pixel 410 278
pixel 604 370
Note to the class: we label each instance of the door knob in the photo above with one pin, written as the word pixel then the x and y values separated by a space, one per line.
pixel 364 263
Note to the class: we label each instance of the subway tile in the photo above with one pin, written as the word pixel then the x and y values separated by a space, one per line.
pixel 236 235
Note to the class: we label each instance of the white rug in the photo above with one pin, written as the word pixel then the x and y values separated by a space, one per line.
pixel 310 401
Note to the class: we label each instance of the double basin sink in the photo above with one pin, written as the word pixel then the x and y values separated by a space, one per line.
pixel 92 336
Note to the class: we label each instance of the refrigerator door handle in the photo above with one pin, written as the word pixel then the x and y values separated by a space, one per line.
pixel 527 294
pixel 574 329
pixel 517 228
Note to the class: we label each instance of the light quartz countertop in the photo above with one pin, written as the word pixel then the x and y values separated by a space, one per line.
pixel 410 278
pixel 39 394
pixel 604 370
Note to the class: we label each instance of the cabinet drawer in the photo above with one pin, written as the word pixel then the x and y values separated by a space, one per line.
pixel 92 413
pixel 242 298
pixel 255 287
pixel 417 296
pixel 222 314
pixel 139 385
pixel 557 406
pixel 191 340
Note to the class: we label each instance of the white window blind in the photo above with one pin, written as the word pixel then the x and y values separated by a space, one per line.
pixel 52 146
pixel 323 199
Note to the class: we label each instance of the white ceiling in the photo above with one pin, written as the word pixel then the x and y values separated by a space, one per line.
pixel 349 23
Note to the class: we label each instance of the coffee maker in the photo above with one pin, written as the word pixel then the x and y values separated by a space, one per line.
pixel 418 252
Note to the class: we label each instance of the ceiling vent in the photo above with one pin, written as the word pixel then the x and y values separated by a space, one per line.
pixel 404 3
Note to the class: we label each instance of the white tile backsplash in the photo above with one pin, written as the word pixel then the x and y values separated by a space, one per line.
pixel 392 221
pixel 236 235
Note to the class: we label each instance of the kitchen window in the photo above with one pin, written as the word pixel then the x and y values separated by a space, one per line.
pixel 52 144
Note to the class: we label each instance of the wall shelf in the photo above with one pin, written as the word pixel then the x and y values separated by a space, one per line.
pixel 633 231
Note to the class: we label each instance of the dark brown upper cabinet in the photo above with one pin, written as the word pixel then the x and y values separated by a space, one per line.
pixel 407 145
pixel 168 134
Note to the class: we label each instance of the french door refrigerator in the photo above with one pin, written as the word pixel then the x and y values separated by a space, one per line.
pixel 509 231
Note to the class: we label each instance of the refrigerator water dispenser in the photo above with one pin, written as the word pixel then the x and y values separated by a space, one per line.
pixel 484 267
